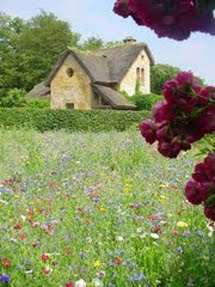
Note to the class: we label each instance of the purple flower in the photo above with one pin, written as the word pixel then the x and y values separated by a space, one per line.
pixel 5 278
pixel 186 233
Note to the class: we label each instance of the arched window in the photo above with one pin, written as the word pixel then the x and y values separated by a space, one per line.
pixel 142 77
pixel 138 74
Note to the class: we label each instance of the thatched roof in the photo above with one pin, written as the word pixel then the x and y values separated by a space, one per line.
pixel 121 58
pixel 105 65
pixel 114 98
pixel 40 90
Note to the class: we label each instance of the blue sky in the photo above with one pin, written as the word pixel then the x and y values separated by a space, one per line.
pixel 95 18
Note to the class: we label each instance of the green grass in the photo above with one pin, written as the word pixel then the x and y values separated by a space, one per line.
pixel 93 202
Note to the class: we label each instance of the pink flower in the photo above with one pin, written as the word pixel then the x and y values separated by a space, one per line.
pixel 210 212
pixel 121 8
pixel 169 149
pixel 148 130
pixel 185 78
pixel 162 111
pixel 6 263
pixel 192 192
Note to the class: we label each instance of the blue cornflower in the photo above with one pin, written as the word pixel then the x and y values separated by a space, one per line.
pixel 82 255
pixel 137 277
pixel 119 251
pixel 5 278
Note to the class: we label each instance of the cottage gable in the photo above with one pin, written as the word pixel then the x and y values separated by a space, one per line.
pixel 70 86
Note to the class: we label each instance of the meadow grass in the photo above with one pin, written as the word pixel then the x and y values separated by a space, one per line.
pixel 103 206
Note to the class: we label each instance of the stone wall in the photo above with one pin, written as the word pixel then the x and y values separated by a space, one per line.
pixel 71 87
pixel 141 64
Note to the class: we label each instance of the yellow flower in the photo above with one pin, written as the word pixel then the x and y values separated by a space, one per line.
pixel 162 198
pixel 97 264
pixel 163 185
pixel 102 209
pixel 182 224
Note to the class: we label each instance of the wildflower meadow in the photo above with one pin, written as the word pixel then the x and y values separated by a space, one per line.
pixel 99 210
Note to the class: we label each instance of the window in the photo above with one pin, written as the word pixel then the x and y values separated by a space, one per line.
pixel 142 80
pixel 70 106
pixel 70 72
pixel 138 74
pixel 142 57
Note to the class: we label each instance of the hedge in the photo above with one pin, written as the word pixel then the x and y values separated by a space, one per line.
pixel 71 120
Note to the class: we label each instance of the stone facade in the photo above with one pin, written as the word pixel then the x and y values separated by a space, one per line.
pixel 138 72
pixel 70 88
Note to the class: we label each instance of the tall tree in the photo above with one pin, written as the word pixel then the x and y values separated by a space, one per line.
pixel 10 32
pixel 41 43
pixel 29 49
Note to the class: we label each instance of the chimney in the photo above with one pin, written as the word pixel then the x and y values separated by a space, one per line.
pixel 129 40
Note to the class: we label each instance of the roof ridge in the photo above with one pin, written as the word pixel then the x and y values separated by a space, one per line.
pixel 122 46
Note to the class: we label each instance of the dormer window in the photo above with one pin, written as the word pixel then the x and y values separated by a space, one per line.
pixel 70 72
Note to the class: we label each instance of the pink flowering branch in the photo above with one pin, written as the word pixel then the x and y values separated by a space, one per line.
pixel 185 116
pixel 170 18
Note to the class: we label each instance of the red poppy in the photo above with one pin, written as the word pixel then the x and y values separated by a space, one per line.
pixel 118 261
pixel 44 257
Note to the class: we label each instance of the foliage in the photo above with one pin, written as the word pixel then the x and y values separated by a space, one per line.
pixel 14 98
pixel 92 43
pixel 101 206
pixel 161 73
pixel 29 49
pixel 75 120
pixel 11 66
pixel 38 104
pixel 41 43
pixel 145 101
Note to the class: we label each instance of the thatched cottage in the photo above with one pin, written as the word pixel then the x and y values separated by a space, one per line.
pixel 90 80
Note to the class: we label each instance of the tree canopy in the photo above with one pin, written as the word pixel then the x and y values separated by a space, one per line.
pixel 161 73
pixel 29 49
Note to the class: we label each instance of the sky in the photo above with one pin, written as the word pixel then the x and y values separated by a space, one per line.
pixel 96 18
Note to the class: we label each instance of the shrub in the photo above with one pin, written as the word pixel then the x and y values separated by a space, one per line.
pixel 39 104
pixel 71 120
pixel 145 101
pixel 14 98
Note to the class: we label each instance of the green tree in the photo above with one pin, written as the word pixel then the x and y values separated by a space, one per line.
pixel 14 98
pixel 41 43
pixel 161 73
pixel 28 50
pixel 92 43
pixel 10 67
